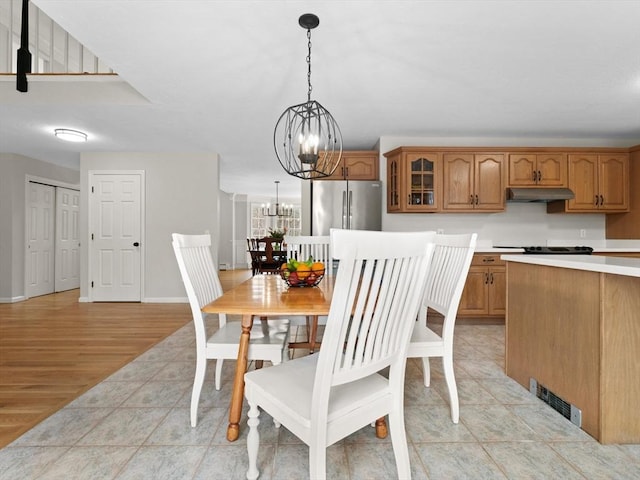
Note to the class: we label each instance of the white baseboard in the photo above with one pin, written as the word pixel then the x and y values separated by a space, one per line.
pixel 20 298
pixel 149 300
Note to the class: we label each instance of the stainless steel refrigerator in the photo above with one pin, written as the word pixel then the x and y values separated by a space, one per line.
pixel 353 205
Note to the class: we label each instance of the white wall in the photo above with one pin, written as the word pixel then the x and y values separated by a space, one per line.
pixel 182 195
pixel 520 224
pixel 14 170
pixel 227 230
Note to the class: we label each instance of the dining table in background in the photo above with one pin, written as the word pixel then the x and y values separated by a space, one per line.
pixel 269 296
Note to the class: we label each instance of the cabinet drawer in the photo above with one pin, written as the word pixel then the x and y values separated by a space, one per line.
pixel 487 260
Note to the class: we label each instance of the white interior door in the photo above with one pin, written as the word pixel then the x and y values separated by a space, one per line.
pixel 115 237
pixel 40 239
pixel 67 259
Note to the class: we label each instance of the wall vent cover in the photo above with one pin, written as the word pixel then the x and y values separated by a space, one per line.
pixel 567 410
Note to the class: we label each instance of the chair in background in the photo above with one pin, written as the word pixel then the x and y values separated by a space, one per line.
pixel 269 260
pixel 252 249
pixel 268 340
pixel 301 247
pixel 323 398
pixel 447 275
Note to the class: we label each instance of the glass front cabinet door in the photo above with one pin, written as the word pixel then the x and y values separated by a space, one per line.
pixel 413 180
pixel 394 203
pixel 422 182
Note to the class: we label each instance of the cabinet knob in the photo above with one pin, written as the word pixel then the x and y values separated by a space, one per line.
pixel 471 199
pixel 601 200
pixel 596 200
pixel 539 175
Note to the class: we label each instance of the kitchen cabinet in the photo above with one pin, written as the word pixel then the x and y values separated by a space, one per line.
pixel 413 181
pixel 473 182
pixel 357 165
pixel 485 292
pixel 537 169
pixel 599 181
pixel 574 329
pixel 627 225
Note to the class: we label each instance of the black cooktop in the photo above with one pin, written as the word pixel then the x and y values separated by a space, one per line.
pixel 579 250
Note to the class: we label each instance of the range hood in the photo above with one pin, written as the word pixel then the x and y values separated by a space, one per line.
pixel 538 194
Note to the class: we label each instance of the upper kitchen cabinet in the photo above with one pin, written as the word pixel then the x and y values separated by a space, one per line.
pixel 600 182
pixel 357 165
pixel 473 182
pixel 413 180
pixel 537 169
pixel 627 225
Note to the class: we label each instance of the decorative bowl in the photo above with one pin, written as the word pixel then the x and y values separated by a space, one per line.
pixel 302 279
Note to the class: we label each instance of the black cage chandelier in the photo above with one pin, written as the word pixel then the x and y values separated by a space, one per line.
pixel 280 211
pixel 307 139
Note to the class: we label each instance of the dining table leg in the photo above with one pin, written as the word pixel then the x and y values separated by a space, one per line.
pixel 313 333
pixel 237 394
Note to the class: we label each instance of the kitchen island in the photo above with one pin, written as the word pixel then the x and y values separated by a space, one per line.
pixel 573 325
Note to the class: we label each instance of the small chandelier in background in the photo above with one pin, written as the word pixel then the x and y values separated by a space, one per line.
pixel 305 130
pixel 280 211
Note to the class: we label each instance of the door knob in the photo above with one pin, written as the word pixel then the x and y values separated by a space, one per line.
pixel 136 244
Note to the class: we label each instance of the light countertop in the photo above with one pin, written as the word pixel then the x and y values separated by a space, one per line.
pixel 629 267
pixel 599 246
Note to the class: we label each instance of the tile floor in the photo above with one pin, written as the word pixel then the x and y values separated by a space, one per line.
pixel 135 425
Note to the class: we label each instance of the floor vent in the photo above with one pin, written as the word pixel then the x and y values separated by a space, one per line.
pixel 568 411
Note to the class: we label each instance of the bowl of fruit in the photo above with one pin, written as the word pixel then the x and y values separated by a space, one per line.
pixel 302 274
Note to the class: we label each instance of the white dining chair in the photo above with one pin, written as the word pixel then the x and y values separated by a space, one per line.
pixel 325 397
pixel 268 339
pixel 448 273
pixel 301 247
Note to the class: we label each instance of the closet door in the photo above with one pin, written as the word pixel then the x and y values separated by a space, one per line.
pixel 40 239
pixel 67 259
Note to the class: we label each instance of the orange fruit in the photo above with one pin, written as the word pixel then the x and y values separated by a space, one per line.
pixel 303 271
pixel 284 266
pixel 317 266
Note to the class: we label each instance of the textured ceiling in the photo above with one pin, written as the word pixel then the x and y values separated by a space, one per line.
pixel 216 75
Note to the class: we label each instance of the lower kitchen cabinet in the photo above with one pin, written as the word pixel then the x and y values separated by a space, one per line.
pixel 485 291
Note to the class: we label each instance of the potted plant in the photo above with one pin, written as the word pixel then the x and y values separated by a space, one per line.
pixel 277 235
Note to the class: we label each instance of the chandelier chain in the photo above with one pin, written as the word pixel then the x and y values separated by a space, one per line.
pixel 309 66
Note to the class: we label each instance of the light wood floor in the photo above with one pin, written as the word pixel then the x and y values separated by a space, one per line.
pixel 53 349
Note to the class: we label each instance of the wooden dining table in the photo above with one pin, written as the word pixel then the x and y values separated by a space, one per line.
pixel 268 296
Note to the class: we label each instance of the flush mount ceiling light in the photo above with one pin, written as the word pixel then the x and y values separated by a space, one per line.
pixel 304 131
pixel 70 135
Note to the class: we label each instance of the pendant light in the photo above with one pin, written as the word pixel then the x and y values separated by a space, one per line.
pixel 307 139
pixel 284 211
